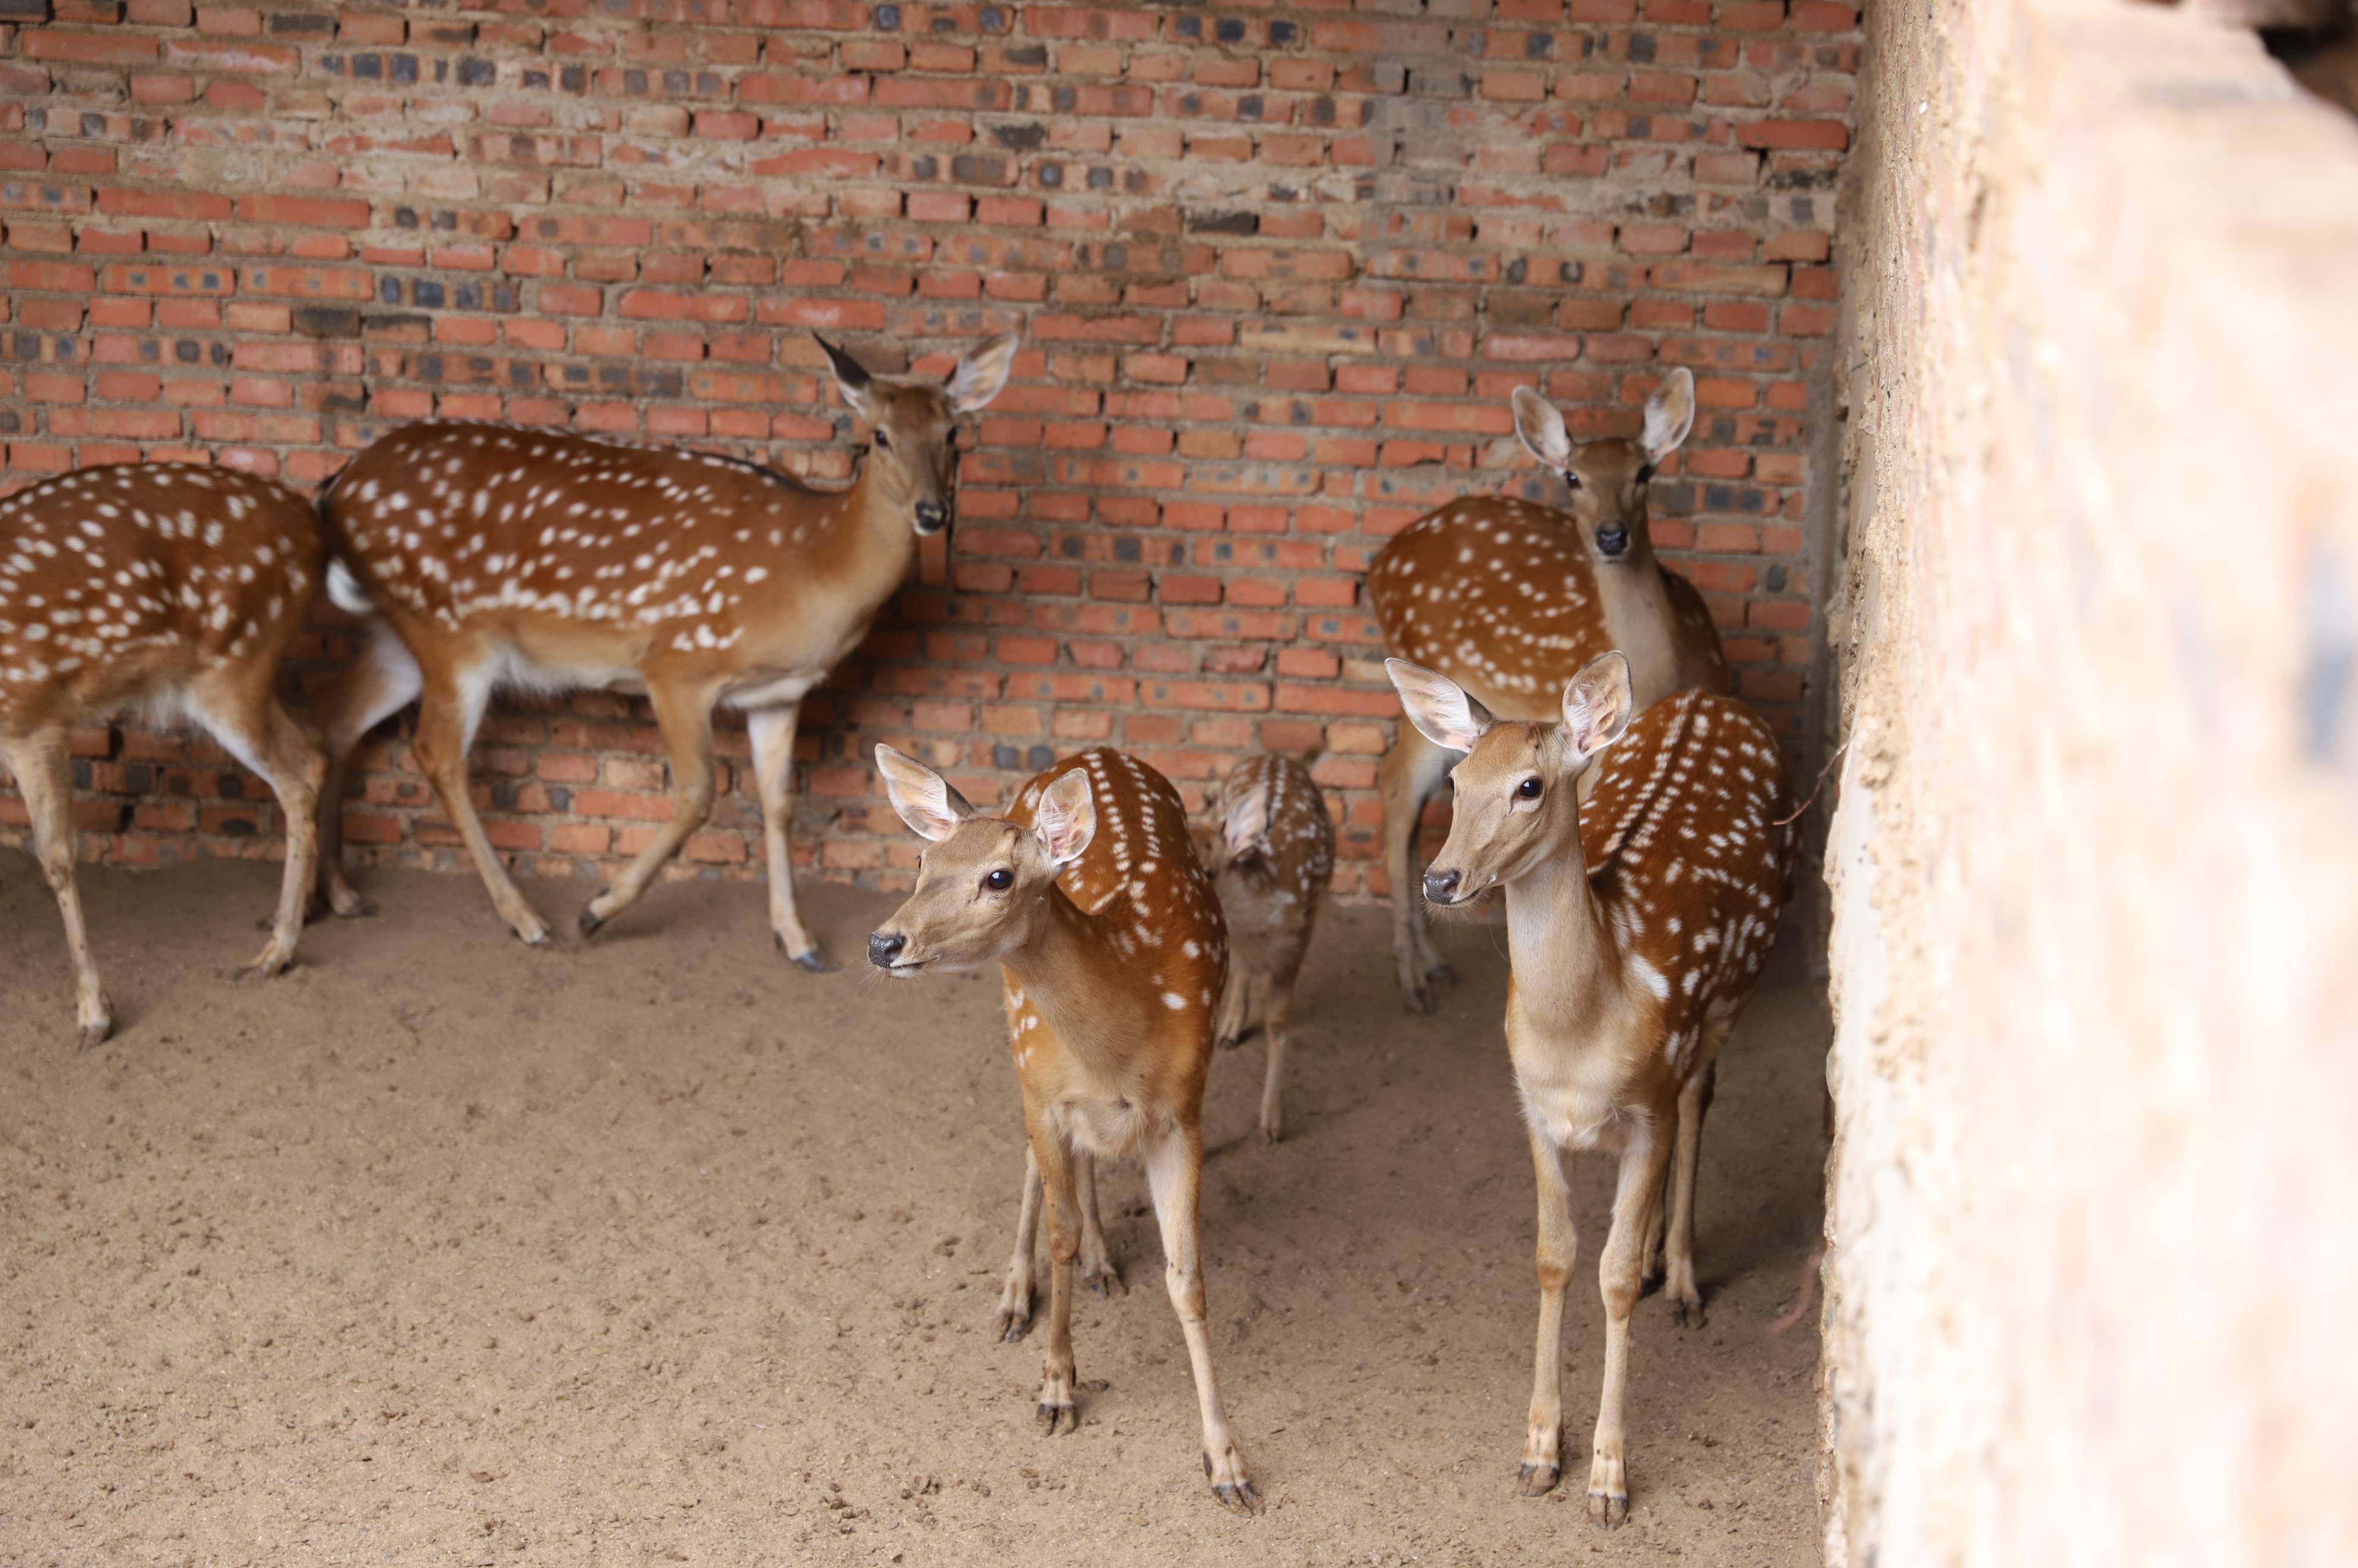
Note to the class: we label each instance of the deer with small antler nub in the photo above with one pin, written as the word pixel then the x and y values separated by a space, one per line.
pixel 1508 597
pixel 1637 921
pixel 490 556
pixel 171 588
pixel 1112 954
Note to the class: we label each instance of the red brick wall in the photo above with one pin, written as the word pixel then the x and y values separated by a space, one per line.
pixel 1277 270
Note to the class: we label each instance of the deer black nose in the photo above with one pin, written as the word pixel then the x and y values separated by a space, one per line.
pixel 1441 887
pixel 883 946
pixel 1611 542
pixel 932 515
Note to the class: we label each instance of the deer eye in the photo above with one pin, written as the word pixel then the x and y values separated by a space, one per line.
pixel 883 440
pixel 1572 478
pixel 1527 790
pixel 1000 880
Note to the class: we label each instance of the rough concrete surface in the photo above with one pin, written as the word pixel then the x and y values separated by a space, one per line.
pixel 438 1251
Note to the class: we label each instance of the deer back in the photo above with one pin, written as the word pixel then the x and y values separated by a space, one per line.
pixel 1140 881
pixel 641 554
pixel 118 580
pixel 1501 595
pixel 1271 891
pixel 1688 858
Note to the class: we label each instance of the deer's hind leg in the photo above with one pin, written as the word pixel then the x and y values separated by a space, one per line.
pixel 382 679
pixel 1097 1271
pixel 44 773
pixel 1679 1281
pixel 1412 772
pixel 1174 1174
pixel 451 705
pixel 685 715
pixel 240 707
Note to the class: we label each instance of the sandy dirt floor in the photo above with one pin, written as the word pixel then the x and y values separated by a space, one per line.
pixel 438 1251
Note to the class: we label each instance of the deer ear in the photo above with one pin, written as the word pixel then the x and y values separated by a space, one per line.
pixel 1597 703
pixel 1438 705
pixel 1067 819
pixel 1246 820
pixel 980 377
pixel 852 377
pixel 926 800
pixel 1541 425
pixel 1670 415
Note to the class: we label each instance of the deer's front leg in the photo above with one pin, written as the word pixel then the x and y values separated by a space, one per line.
pixel 1015 1295
pixel 1175 1173
pixel 1558 1242
pixel 1048 1152
pixel 1620 1274
pixel 44 770
pixel 772 732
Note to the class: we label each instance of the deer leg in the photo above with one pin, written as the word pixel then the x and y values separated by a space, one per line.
pixel 1015 1295
pixel 1413 771
pixel 245 715
pixel 1235 1008
pixel 450 708
pixel 44 771
pixel 772 731
pixel 1277 1012
pixel 1678 1278
pixel 686 716
pixel 1056 1413
pixel 1558 1243
pixel 1635 1196
pixel 1174 1174
pixel 1097 1271
pixel 381 681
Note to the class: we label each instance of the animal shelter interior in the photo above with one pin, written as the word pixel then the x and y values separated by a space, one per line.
pixel 1220 640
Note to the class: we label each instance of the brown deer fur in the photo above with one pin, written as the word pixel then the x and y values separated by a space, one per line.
pixel 1507 598
pixel 499 557
pixel 1272 855
pixel 1112 953
pixel 1637 923
pixel 168 587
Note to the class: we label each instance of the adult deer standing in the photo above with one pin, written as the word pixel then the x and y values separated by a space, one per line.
pixel 1507 598
pixel 1272 855
pixel 1636 924
pixel 166 587
pixel 1112 956
pixel 493 557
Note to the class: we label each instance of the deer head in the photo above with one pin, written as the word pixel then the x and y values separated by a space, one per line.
pixel 1608 477
pixel 984 883
pixel 1516 804
pixel 912 423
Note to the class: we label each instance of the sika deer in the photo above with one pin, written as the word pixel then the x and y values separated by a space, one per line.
pixel 1507 598
pixel 1111 953
pixel 1635 923
pixel 167 587
pixel 1271 856
pixel 498 557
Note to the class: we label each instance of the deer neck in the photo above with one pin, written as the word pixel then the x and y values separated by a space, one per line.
pixel 877 515
pixel 1640 622
pixel 1568 968
pixel 1072 974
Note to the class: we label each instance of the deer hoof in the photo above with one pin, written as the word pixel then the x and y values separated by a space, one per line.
pixel 590 919
pixel 813 962
pixel 1055 1416
pixel 1608 1509
pixel 91 1035
pixel 1536 1480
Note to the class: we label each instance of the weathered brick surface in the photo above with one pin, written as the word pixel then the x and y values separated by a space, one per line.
pixel 1277 269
